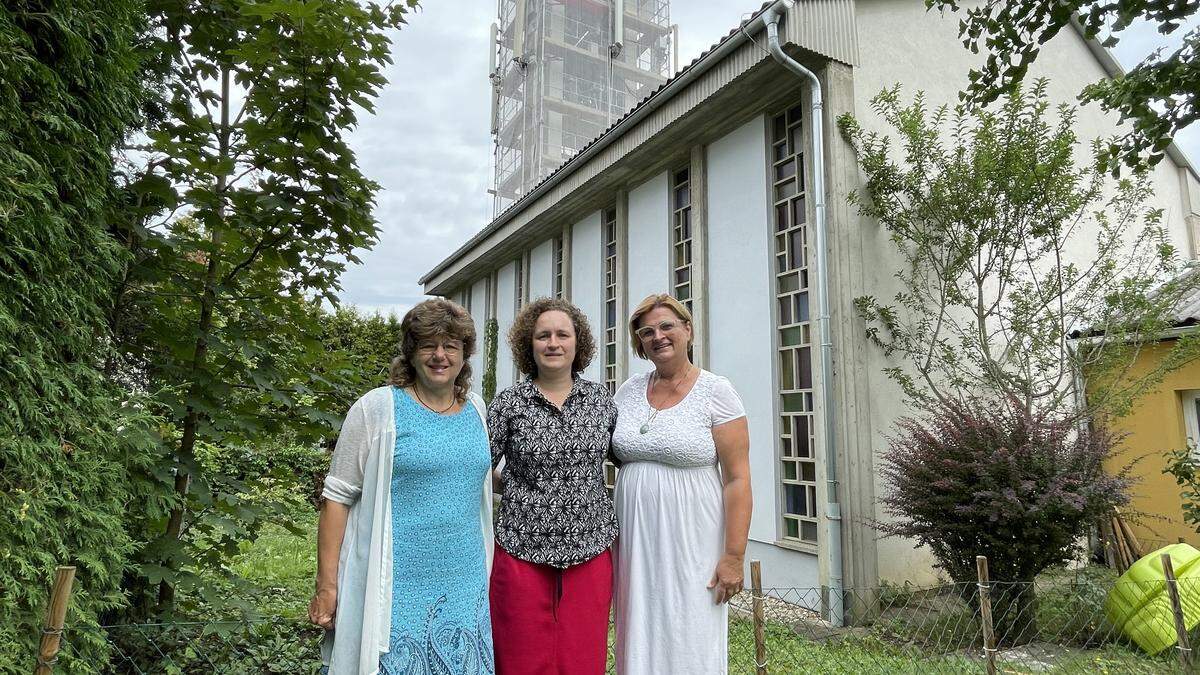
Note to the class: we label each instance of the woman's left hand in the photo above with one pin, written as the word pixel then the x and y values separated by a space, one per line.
pixel 727 578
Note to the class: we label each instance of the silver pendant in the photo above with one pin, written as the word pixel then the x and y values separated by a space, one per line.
pixel 645 427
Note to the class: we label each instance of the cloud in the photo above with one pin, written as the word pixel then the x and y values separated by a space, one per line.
pixel 430 150
pixel 428 147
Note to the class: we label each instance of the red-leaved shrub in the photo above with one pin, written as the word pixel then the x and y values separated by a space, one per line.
pixel 989 478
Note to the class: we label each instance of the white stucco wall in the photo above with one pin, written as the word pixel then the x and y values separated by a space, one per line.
pixel 741 324
pixel 479 314
pixel 921 50
pixel 649 249
pixel 505 310
pixel 901 42
pixel 586 289
pixel 541 270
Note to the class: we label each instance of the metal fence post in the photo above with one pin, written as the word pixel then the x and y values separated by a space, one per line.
pixel 1185 651
pixel 56 615
pixel 760 638
pixel 985 613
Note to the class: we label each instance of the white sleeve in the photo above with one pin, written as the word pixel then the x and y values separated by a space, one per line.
pixel 725 405
pixel 629 387
pixel 343 483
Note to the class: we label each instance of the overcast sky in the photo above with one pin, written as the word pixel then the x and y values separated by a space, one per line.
pixel 428 145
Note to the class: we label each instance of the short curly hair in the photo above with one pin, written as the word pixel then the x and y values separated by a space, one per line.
pixel 520 335
pixel 432 319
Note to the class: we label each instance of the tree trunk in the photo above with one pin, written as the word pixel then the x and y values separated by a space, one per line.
pixel 186 459
pixel 1014 613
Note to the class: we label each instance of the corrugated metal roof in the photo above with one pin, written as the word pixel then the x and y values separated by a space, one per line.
pixel 1187 310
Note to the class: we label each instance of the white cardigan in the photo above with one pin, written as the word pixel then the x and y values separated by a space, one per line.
pixel 360 476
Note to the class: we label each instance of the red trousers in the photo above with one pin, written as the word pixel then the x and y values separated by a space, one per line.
pixel 547 621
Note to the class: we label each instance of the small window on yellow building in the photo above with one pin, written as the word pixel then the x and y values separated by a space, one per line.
pixel 1191 419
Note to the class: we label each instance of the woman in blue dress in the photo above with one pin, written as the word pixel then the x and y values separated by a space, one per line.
pixel 404 538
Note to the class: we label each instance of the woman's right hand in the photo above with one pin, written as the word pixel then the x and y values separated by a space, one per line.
pixel 322 608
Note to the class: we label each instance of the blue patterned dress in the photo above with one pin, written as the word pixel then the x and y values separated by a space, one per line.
pixel 440 619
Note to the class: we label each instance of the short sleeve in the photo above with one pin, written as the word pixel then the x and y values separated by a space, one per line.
pixel 343 483
pixel 628 387
pixel 613 412
pixel 497 426
pixel 725 405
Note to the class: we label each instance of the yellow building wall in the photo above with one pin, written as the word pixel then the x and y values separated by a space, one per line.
pixel 1154 426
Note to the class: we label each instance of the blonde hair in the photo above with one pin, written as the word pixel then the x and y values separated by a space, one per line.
pixel 648 305
pixel 432 319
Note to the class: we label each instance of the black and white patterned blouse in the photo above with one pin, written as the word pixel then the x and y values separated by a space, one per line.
pixel 555 510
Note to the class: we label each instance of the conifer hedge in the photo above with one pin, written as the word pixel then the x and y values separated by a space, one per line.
pixel 74 453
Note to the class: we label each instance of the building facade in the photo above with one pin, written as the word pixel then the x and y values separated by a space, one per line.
pixel 705 190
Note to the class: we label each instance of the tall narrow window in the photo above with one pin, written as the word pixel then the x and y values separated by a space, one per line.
pixel 489 296
pixel 518 302
pixel 610 299
pixel 797 443
pixel 610 320
pixel 681 237
pixel 519 285
pixel 559 272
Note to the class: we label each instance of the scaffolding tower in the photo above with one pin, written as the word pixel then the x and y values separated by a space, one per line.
pixel 559 79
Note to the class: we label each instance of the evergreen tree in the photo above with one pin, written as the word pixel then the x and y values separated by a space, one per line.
pixel 73 458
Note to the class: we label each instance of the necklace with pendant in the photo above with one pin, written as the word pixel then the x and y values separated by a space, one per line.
pixel 654 411
pixel 429 407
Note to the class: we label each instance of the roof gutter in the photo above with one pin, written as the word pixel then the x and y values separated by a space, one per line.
pixel 686 77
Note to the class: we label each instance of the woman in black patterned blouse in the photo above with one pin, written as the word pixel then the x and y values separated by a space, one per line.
pixel 551 585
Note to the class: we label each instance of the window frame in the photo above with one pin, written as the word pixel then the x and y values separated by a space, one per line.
pixel 796 452
pixel 682 238
pixel 1190 398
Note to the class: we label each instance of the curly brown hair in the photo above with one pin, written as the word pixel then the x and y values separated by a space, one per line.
pixel 432 319
pixel 520 335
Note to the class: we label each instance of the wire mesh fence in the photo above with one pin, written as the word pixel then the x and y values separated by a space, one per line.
pixel 1068 622
pixel 1056 626
pixel 268 646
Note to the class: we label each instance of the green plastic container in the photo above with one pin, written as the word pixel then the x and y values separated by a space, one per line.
pixel 1139 605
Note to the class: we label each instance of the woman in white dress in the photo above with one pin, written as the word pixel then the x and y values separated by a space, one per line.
pixel 683 502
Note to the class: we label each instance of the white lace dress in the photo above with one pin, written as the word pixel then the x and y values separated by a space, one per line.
pixel 671 515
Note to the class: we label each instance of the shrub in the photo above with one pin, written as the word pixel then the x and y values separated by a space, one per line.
pixel 1183 466
pixel 490 340
pixel 992 479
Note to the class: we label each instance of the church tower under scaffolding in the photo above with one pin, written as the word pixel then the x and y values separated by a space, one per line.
pixel 559 79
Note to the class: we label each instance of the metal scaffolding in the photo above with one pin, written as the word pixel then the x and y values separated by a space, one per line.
pixel 559 79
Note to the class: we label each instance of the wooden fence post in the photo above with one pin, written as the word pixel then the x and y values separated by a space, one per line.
pixel 56 615
pixel 1135 546
pixel 1185 651
pixel 760 637
pixel 985 613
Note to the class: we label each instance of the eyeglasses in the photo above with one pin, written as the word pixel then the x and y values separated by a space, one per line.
pixel 450 347
pixel 647 332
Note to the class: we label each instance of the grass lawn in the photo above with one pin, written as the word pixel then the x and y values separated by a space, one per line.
pixel 283 565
